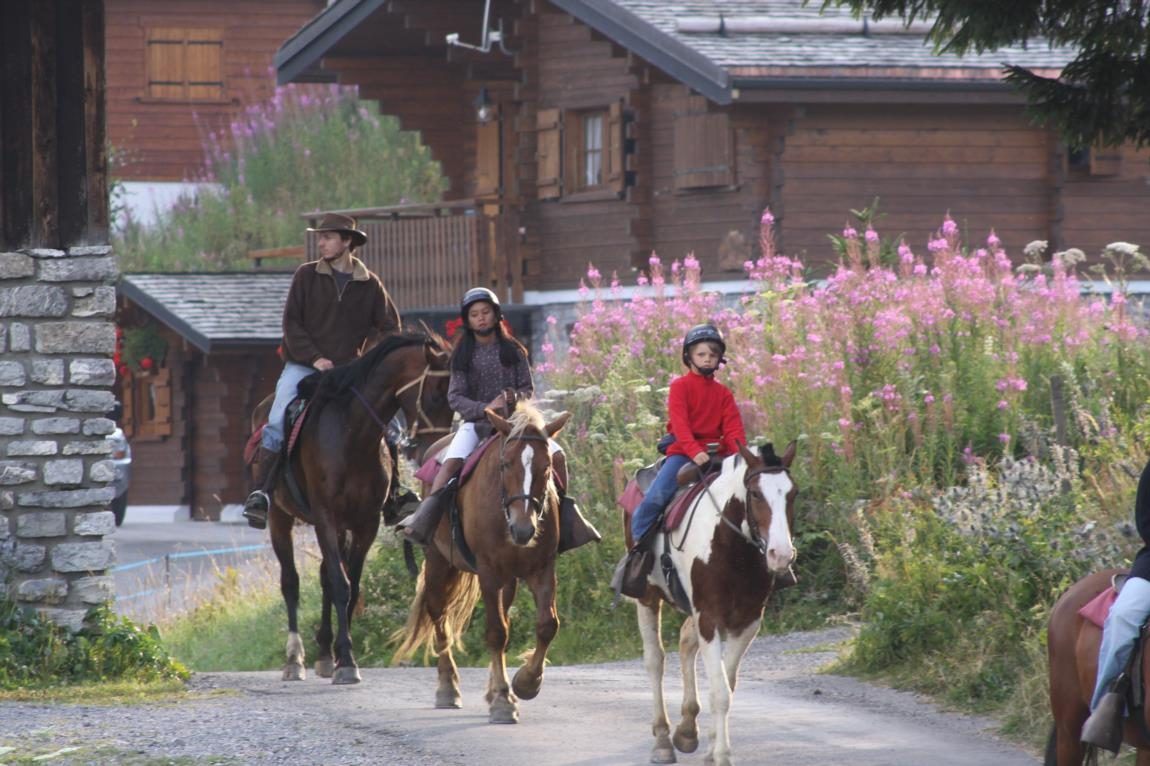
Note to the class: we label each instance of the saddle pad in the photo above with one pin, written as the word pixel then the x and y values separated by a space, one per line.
pixel 253 445
pixel 430 467
pixel 676 508
pixel 1098 607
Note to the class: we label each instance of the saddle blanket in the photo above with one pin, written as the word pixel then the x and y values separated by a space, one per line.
pixel 676 509
pixel 430 467
pixel 1098 607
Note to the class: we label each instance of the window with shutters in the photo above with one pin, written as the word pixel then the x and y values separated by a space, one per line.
pixel 704 156
pixel 185 64
pixel 146 401
pixel 585 139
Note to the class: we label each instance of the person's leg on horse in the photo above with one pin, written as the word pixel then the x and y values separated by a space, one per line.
pixel 658 495
pixel 574 529
pixel 1127 615
pixel 420 526
pixel 266 470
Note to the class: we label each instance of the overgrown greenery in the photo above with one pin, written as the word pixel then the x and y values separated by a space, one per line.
pixel 308 148
pixel 36 653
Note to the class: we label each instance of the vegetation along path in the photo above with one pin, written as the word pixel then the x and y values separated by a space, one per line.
pixel 784 712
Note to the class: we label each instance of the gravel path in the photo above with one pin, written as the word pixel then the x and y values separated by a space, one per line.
pixel 784 712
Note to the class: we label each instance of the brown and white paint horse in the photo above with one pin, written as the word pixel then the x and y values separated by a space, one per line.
pixel 732 543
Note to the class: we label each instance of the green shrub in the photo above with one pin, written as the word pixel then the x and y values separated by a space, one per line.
pixel 35 652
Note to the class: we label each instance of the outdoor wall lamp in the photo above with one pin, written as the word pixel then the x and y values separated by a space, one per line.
pixel 484 109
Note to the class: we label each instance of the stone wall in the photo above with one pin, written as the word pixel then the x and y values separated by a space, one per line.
pixel 57 336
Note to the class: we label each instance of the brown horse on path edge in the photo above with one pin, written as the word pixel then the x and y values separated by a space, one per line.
pixel 1072 651
pixel 509 513
pixel 346 475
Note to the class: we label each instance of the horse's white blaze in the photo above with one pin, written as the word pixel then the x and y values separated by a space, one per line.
pixel 526 457
pixel 780 549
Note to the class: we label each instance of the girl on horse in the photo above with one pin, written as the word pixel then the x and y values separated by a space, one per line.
pixel 1128 613
pixel 489 369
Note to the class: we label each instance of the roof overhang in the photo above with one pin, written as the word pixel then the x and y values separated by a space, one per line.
pixel 158 310
pixel 298 59
pixel 764 90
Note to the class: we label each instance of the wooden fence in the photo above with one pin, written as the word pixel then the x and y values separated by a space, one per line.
pixel 429 255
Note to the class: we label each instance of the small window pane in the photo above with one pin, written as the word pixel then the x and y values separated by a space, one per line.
pixel 592 150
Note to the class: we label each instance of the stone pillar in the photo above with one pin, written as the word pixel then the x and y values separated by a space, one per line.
pixel 57 337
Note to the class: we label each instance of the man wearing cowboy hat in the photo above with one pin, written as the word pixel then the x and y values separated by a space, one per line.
pixel 335 305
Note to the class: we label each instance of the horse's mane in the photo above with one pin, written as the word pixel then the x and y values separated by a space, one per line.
pixel 338 382
pixel 770 459
pixel 526 415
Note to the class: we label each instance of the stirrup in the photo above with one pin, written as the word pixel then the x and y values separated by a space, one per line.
pixel 256 509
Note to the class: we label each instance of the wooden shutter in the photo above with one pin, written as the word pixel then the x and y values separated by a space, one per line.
pixel 704 153
pixel 548 154
pixel 1105 160
pixel 185 64
pixel 162 391
pixel 615 171
pixel 153 410
pixel 488 159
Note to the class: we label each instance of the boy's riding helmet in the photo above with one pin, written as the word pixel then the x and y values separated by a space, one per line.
pixel 475 295
pixel 698 334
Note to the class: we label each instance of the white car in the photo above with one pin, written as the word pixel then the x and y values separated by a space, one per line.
pixel 122 458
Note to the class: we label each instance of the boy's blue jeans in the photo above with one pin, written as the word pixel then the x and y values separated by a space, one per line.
pixel 658 495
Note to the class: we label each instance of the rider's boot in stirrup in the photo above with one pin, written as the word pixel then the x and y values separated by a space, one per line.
pixel 419 527
pixel 1103 728
pixel 574 529
pixel 257 504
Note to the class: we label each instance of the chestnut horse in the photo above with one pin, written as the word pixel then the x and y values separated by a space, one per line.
pixel 1072 651
pixel 346 474
pixel 732 543
pixel 509 514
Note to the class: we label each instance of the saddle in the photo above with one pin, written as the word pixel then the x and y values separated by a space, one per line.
pixel 431 463
pixel 677 506
pixel 294 419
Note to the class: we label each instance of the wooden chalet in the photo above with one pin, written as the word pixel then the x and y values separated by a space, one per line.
pixel 188 417
pixel 176 70
pixel 614 128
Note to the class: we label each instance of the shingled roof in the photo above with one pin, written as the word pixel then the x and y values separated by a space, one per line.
pixel 719 47
pixel 214 310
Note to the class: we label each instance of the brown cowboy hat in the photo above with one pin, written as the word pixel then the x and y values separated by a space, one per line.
pixel 341 223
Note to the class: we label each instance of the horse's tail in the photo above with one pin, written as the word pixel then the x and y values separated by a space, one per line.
pixel 460 594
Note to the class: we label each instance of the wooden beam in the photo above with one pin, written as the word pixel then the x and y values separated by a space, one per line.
pixel 45 145
pixel 15 128
pixel 71 165
pixel 95 130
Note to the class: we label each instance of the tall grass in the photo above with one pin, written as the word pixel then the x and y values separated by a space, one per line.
pixel 307 148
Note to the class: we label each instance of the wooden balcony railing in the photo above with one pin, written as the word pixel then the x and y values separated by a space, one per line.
pixel 429 255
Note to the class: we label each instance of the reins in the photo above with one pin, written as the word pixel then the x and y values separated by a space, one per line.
pixel 415 429
pixel 755 538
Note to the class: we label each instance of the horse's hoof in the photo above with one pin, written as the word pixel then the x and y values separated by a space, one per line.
pixel 685 743
pixel 346 675
pixel 448 699
pixel 294 672
pixel 324 668
pixel 662 752
pixel 503 711
pixel 526 686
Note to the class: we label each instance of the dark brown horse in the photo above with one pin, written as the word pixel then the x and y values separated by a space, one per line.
pixel 732 543
pixel 1072 651
pixel 346 474
pixel 509 511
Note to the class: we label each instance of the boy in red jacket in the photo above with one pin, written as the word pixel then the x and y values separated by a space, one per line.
pixel 700 411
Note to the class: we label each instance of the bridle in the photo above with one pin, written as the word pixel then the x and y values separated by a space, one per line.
pixel 422 423
pixel 532 503
pixel 755 538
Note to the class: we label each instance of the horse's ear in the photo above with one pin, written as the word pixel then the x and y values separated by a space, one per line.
pixel 748 456
pixel 789 453
pixel 502 425
pixel 556 425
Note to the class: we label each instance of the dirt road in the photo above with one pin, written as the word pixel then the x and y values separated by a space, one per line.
pixel 784 712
